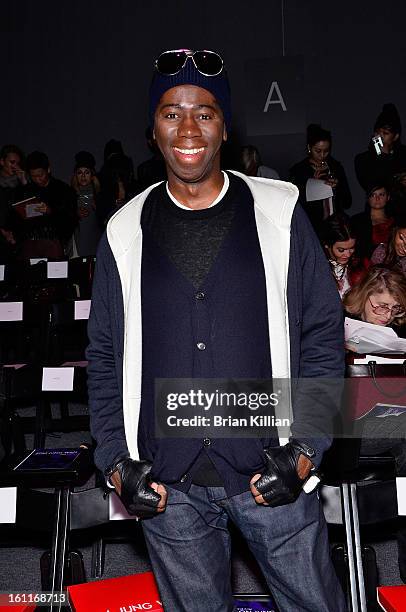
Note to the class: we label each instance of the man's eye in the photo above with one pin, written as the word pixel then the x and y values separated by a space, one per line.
pixel 171 116
pixel 204 116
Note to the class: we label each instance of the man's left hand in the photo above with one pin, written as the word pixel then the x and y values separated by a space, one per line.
pixel 286 469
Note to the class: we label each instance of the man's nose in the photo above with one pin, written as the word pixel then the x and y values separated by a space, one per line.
pixel 189 128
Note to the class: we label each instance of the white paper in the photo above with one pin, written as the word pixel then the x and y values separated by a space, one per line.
pixel 35 260
pixel 317 189
pixel 31 211
pixel 11 311
pixel 57 379
pixel 82 309
pixel 8 504
pixel 378 359
pixel 117 512
pixel 2 270
pixel 57 269
pixel 362 337
pixel 401 494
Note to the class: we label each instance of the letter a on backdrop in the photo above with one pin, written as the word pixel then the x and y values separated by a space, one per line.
pixel 278 99
pixel 274 96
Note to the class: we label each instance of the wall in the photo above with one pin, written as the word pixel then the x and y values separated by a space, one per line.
pixel 76 73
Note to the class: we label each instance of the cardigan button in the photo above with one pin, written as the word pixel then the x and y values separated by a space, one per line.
pixel 201 346
pixel 200 295
pixel 184 477
pixel 206 442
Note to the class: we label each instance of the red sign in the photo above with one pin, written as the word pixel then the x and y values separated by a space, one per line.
pixel 125 594
pixel 392 598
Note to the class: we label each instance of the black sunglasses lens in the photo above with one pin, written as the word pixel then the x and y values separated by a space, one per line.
pixel 170 63
pixel 208 63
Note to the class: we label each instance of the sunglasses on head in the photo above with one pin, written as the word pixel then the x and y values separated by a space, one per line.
pixel 207 63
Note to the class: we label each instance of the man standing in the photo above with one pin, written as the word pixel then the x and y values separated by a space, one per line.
pixel 192 281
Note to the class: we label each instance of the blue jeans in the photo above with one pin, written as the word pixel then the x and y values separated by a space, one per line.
pixel 189 547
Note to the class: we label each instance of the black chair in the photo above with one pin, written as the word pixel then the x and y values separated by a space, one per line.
pixel 360 490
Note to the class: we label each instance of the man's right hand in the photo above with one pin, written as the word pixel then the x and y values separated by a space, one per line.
pixel 140 496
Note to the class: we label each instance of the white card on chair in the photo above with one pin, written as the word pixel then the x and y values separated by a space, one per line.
pixel 82 309
pixel 2 270
pixel 57 379
pixel 8 504
pixel 57 269
pixel 11 311
pixel 401 493
pixel 35 260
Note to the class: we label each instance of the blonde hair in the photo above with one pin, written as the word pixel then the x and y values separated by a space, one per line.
pixel 378 280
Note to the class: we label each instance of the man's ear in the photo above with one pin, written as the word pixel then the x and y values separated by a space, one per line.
pixel 153 134
pixel 224 133
pixel 396 137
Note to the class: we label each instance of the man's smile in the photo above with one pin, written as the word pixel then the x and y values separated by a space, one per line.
pixel 189 151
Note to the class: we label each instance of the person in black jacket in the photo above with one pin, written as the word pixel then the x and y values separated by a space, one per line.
pixel 384 162
pixel 180 289
pixel 319 164
pixel 372 227
pixel 46 234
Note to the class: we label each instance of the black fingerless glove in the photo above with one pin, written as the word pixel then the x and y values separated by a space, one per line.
pixel 137 496
pixel 280 483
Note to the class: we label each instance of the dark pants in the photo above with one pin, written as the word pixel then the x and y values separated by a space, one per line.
pixel 189 547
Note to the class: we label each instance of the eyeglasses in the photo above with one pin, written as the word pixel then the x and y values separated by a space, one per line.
pixel 207 63
pixel 382 309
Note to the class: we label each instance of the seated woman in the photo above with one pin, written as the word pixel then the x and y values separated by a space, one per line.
pixel 251 164
pixel 373 226
pixel 393 255
pixel 380 298
pixel 319 164
pixel 339 242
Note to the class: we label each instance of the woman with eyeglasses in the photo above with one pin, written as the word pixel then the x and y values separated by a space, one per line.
pixel 393 255
pixel 380 299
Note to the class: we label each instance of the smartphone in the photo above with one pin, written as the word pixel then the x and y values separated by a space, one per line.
pixel 378 144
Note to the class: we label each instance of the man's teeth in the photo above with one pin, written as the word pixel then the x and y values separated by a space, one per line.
pixel 189 151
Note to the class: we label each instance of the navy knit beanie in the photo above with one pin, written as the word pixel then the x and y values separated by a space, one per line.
pixel 189 75
pixel 389 118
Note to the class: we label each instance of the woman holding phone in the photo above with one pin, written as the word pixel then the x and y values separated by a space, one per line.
pixel 319 164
